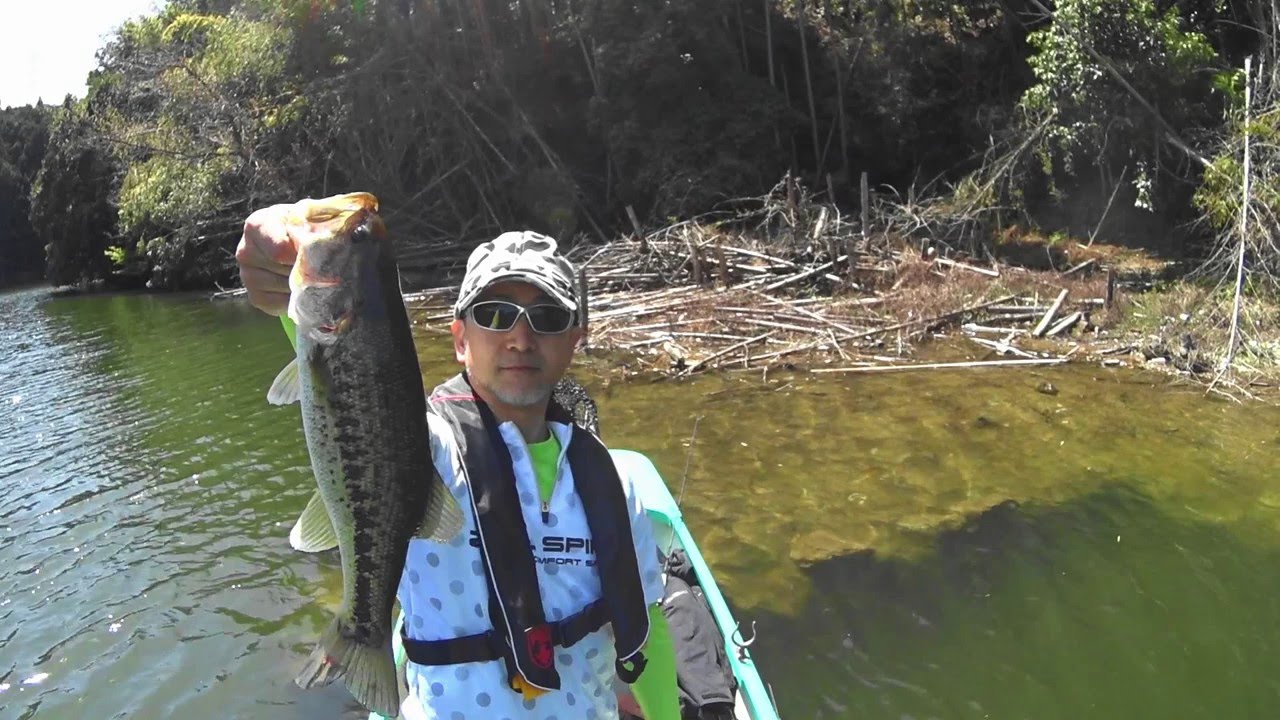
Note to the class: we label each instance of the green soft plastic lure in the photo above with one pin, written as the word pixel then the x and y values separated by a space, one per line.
pixel 291 330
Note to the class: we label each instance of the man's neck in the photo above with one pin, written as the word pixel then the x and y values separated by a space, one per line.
pixel 531 420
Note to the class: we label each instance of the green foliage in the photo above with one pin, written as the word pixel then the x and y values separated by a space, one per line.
pixel 473 117
pixel 180 182
pixel 1091 119
pixel 24 135
pixel 1220 196
pixel 70 208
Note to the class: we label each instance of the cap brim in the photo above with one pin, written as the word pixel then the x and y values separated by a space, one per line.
pixel 568 302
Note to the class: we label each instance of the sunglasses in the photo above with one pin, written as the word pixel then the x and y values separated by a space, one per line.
pixel 500 316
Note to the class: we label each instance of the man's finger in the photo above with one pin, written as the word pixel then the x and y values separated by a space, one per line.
pixel 263 280
pixel 266 235
pixel 271 303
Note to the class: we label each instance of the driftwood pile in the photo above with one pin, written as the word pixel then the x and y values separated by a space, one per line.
pixel 690 330
pixel 687 329
pixel 784 280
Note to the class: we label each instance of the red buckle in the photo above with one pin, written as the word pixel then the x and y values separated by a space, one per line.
pixel 537 640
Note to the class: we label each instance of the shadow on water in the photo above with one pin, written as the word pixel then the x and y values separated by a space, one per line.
pixel 1101 607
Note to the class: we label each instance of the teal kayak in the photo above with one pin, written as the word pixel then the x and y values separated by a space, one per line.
pixel 754 700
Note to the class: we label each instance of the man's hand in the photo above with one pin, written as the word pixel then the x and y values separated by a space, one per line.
pixel 266 254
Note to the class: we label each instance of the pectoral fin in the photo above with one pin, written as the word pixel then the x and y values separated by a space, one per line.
pixel 285 388
pixel 314 530
pixel 443 518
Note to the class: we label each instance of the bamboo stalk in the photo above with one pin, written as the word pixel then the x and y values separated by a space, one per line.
pixel 776 315
pixel 1048 316
pixel 801 276
pixel 1065 323
pixel 973 327
pixel 890 328
pixel 940 366
pixel 963 266
pixel 1233 338
pixel 864 198
pixel 722 265
pixel 809 313
pixel 768 42
pixel 1001 346
pixel 781 326
pixel 709 336
pixel 658 326
pixel 692 368
pixel 808 82
pixel 762 256
pixel 1081 266
pixel 1106 210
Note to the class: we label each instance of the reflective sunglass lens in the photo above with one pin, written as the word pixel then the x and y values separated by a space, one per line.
pixel 549 318
pixel 501 316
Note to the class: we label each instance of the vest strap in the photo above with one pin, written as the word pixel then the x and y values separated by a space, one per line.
pixel 492 645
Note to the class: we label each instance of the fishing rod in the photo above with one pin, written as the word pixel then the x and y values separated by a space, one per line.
pixel 684 481
pixel 693 439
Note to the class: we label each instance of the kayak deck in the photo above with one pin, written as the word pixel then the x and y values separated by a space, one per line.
pixel 753 700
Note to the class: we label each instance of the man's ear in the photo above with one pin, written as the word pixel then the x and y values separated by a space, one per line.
pixel 459 342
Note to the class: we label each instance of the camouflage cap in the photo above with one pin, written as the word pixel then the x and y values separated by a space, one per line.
pixel 525 256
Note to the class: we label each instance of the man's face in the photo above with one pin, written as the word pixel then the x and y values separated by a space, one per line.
pixel 518 367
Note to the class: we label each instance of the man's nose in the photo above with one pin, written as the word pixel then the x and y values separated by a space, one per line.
pixel 521 337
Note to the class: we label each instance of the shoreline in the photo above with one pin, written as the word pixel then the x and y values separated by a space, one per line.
pixel 692 298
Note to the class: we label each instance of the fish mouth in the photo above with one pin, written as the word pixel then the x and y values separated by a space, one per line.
pixel 338 326
pixel 325 223
pixel 329 328
pixel 338 215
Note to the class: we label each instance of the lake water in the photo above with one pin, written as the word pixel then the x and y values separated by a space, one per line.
pixel 920 545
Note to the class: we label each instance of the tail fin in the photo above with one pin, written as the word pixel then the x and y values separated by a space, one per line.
pixel 368 672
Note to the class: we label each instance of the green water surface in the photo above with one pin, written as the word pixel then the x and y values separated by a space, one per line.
pixel 932 545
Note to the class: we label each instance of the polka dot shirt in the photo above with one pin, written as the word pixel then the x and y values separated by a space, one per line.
pixel 443 594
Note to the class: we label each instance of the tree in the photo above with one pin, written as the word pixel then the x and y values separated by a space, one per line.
pixel 1119 86
pixel 24 134
pixel 70 205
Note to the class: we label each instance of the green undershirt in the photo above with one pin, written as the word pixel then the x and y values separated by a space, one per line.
pixel 655 689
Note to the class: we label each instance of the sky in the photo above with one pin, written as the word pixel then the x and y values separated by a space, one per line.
pixel 47 47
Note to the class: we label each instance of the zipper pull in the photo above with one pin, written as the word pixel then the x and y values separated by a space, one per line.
pixel 546 512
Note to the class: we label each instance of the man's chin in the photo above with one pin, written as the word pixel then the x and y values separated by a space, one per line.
pixel 523 397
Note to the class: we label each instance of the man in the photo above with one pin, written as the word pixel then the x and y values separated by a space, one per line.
pixel 553 588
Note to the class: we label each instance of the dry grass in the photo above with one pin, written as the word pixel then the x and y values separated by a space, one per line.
pixel 925 289
pixel 1189 327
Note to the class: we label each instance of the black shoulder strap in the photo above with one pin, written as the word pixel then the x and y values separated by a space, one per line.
pixel 515 602
pixel 596 480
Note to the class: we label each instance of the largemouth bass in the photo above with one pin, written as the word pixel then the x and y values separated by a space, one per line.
pixel 364 414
